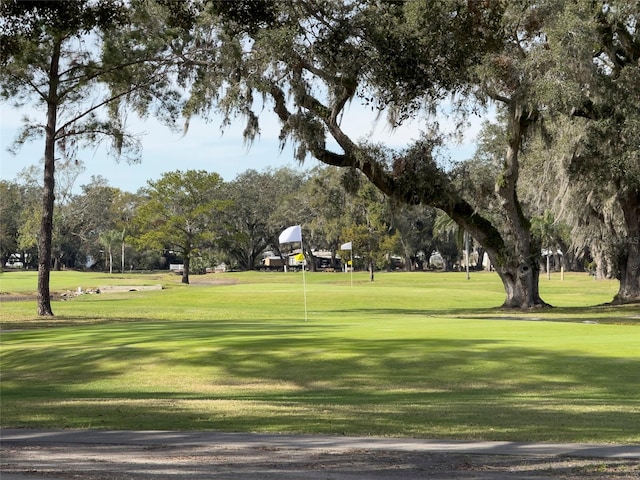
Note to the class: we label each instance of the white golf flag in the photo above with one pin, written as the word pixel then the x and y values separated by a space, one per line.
pixel 346 246
pixel 291 234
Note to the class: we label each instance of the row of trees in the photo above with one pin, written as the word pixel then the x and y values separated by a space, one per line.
pixel 563 77
pixel 197 219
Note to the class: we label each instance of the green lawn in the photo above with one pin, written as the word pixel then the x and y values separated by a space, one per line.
pixel 411 354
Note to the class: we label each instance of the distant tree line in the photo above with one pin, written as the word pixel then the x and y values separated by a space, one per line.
pixel 194 217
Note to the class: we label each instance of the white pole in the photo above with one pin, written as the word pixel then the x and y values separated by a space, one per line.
pixel 304 283
pixel 466 252
pixel 351 255
pixel 548 265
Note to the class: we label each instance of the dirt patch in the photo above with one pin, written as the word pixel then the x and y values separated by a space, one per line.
pixel 71 294
pixel 127 288
pixel 8 297
pixel 137 462
pixel 211 280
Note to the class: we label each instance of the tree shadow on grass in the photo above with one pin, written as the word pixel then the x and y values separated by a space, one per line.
pixel 609 314
pixel 279 376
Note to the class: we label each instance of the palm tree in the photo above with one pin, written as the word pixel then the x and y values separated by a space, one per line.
pixel 108 239
pixel 544 227
pixel 445 227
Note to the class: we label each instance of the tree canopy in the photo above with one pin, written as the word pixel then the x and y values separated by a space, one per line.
pixel 180 214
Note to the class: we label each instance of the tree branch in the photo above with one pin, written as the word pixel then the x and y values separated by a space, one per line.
pixel 93 108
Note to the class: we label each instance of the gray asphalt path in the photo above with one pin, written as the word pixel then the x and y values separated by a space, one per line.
pixel 28 437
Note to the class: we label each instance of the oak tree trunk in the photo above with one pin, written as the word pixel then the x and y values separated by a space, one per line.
pixel 519 268
pixel 521 286
pixel 629 259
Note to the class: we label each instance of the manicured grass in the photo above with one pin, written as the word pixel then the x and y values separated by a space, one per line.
pixel 425 355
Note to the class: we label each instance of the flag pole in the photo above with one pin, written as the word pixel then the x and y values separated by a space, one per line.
pixel 304 282
pixel 293 234
pixel 351 252
pixel 349 246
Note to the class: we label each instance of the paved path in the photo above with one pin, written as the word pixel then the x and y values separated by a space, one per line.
pixel 107 455
pixel 119 437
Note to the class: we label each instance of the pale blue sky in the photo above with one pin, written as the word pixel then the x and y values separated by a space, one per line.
pixel 204 147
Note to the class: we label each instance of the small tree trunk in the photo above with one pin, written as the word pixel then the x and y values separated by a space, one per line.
pixel 312 264
pixel 335 264
pixel 46 225
pixel 185 269
pixel 409 266
pixel 122 253
pixel 480 252
pixel 548 267
pixel 46 229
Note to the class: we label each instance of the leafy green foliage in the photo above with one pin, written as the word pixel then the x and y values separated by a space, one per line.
pixel 25 21
pixel 181 214
pixel 245 15
pixel 591 87
pixel 420 51
pixel 263 202
pixel 10 206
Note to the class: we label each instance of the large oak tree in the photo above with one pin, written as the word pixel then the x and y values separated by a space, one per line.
pixel 592 78
pixel 405 57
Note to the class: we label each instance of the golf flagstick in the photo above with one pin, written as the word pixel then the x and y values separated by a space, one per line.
pixel 351 251
pixel 304 283
pixel 293 234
